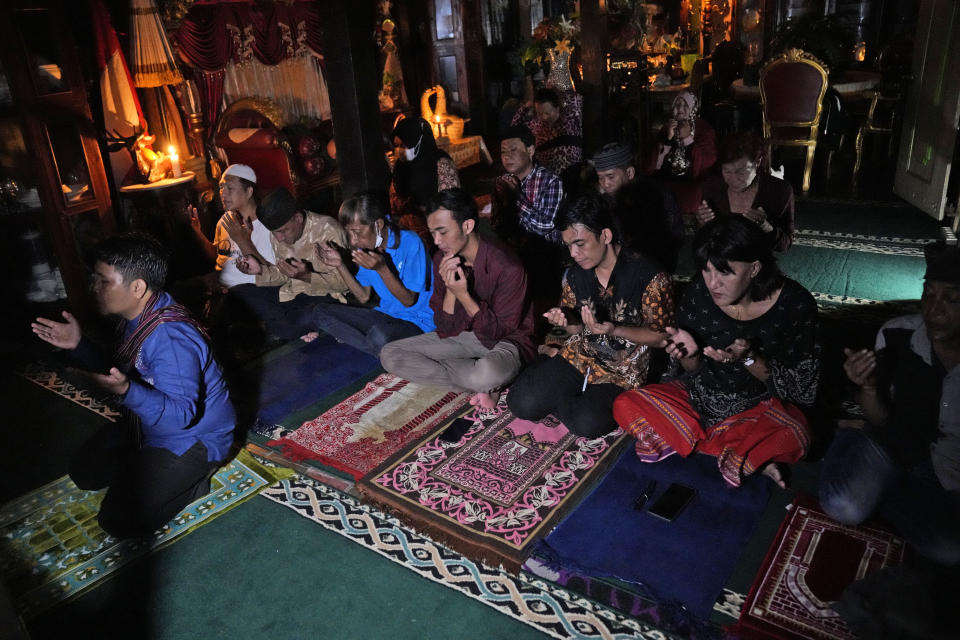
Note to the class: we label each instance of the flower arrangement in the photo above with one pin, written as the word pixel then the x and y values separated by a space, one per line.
pixel 557 32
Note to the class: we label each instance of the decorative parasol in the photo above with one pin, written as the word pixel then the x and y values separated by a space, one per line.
pixel 151 56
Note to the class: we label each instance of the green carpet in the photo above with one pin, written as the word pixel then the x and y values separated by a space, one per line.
pixel 873 276
pixel 262 571
pixel 51 547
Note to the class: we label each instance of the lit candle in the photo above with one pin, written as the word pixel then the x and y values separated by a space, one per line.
pixel 436 119
pixel 174 162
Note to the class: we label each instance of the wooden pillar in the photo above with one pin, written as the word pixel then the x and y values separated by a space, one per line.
pixel 593 56
pixel 352 70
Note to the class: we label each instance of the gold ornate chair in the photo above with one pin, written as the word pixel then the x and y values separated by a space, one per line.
pixel 792 86
pixel 250 131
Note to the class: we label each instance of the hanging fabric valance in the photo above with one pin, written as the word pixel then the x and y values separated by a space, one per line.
pixel 212 34
pixel 215 32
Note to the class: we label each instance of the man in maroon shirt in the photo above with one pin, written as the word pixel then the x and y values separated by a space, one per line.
pixel 480 306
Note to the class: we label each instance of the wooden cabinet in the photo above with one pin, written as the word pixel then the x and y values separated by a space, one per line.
pixel 48 141
pixel 458 54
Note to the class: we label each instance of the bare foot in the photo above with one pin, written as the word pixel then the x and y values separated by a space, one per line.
pixel 485 401
pixel 772 471
pixel 310 337
pixel 548 350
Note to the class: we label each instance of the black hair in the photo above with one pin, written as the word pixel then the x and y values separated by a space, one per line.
pixel 740 145
pixel 135 255
pixel 589 210
pixel 547 94
pixel 519 131
pixel 727 239
pixel 458 202
pixel 366 207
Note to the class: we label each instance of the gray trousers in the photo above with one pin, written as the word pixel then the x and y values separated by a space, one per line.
pixel 460 362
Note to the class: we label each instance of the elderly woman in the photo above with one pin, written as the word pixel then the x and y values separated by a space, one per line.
pixel 686 149
pixel 556 122
pixel 745 190
pixel 422 169
pixel 389 262
pixel 745 343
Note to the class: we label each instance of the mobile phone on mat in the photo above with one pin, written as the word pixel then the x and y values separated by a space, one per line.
pixel 456 430
pixel 672 501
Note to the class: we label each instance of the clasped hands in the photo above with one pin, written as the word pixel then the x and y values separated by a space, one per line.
pixel 681 344
pixel 861 368
pixel 330 255
pixel 558 318
pixel 293 268
pixel 758 216
pixel 451 272
pixel 66 335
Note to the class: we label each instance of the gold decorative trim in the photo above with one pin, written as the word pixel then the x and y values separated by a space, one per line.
pixel 794 56
pixel 263 106
pixel 273 114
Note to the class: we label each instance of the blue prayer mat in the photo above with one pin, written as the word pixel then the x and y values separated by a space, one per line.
pixel 688 560
pixel 295 380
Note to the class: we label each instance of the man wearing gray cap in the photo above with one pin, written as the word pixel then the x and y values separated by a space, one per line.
pixel 904 466
pixel 648 214
pixel 288 290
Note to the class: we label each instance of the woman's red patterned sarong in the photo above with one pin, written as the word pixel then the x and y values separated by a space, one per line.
pixel 664 422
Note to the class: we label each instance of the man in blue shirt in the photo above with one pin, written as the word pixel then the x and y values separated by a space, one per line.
pixel 181 421
pixel 390 263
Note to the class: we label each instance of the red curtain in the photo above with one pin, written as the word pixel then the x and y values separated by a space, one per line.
pixel 216 32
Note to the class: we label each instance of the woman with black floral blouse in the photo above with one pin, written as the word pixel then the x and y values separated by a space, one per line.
pixel 614 306
pixel 746 344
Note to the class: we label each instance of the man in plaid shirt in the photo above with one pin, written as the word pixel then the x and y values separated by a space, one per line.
pixel 527 190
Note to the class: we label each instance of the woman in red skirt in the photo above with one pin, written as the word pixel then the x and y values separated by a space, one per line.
pixel 745 346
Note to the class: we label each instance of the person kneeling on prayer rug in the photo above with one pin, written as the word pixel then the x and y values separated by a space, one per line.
pixel 614 306
pixel 181 421
pixel 746 347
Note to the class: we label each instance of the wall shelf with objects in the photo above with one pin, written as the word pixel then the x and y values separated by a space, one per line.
pixel 56 195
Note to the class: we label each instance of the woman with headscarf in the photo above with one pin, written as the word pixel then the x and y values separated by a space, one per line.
pixel 422 169
pixel 685 150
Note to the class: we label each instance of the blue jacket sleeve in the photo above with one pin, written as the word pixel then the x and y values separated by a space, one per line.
pixel 167 394
pixel 413 271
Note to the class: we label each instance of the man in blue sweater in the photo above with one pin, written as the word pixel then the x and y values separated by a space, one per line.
pixel 181 421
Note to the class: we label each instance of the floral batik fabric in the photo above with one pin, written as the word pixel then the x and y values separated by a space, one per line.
pixel 638 294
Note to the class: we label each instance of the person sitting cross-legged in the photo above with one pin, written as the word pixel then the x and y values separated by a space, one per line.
pixel 614 305
pixel 289 289
pixel 390 264
pixel 905 465
pixel 180 425
pixel 480 305
pixel 239 233
pixel 746 345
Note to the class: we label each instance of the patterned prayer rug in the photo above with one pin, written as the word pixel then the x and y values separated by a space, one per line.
pixel 810 563
pixel 361 432
pixel 46 377
pixel 553 610
pixel 498 489
pixel 51 547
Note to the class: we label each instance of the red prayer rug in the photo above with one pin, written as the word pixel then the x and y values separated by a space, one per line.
pixel 359 433
pixel 498 489
pixel 813 559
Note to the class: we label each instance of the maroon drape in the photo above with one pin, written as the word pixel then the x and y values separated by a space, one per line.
pixel 215 32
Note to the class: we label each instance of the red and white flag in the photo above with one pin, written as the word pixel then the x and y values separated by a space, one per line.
pixel 122 114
